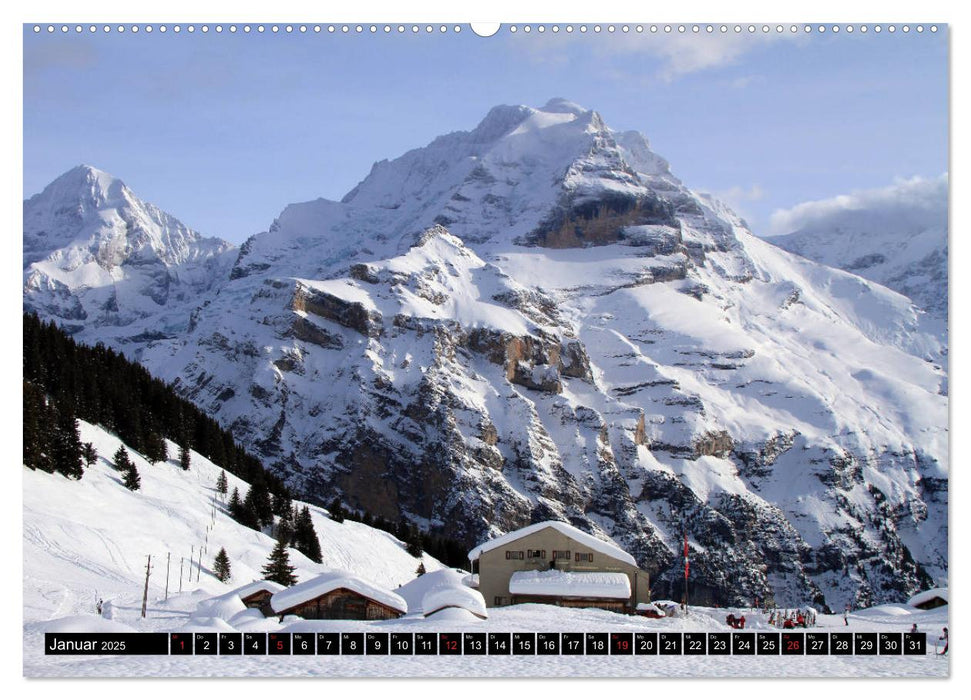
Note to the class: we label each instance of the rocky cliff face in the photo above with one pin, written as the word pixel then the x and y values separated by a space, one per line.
pixel 536 320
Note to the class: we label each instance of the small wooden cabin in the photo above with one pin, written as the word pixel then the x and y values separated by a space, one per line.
pixel 257 595
pixel 928 600
pixel 338 596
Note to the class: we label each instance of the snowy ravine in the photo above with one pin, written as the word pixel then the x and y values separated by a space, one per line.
pixel 89 539
pixel 536 320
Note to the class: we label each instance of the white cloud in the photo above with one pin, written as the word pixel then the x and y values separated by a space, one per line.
pixel 917 196
pixel 741 194
pixel 679 53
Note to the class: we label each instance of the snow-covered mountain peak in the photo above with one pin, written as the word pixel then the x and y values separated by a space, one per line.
pixel 519 172
pixel 96 254
pixel 87 184
pixel 564 106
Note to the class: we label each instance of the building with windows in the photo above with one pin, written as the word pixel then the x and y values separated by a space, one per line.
pixel 338 595
pixel 555 563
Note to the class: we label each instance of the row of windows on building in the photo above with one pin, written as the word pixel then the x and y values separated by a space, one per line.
pixel 558 555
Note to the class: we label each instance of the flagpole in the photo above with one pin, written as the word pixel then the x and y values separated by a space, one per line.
pixel 685 572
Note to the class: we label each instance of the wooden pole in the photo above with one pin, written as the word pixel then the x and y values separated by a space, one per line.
pixel 181 565
pixel 148 571
pixel 168 561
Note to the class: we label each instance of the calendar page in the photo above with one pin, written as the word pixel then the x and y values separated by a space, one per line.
pixel 536 350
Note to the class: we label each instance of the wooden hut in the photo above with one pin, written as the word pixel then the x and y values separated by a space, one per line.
pixel 257 595
pixel 928 600
pixel 338 595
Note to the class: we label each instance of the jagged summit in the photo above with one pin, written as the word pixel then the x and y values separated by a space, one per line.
pixel 554 176
pixel 95 254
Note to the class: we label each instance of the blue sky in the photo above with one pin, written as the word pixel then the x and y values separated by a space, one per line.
pixel 224 130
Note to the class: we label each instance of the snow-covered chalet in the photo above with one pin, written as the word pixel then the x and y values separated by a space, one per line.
pixel 555 563
pixel 338 595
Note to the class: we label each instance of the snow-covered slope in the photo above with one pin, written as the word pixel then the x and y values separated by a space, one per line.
pixel 90 539
pixel 110 267
pixel 896 236
pixel 535 320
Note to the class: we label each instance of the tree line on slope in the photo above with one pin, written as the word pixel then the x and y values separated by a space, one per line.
pixel 65 380
pixel 97 384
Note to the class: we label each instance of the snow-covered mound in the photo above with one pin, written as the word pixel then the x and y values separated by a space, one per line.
pixel 79 624
pixel 459 597
pixel 225 606
pixel 454 614
pixel 415 590
pixel 203 623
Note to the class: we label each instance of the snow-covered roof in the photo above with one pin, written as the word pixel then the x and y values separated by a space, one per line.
pixel 608 548
pixel 414 591
pixel 224 606
pixel 925 596
pixel 454 597
pixel 256 586
pixel 332 581
pixel 593 584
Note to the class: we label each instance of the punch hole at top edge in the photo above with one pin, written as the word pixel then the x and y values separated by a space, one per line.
pixel 485 29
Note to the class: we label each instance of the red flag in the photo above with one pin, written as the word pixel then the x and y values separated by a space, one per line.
pixel 686 555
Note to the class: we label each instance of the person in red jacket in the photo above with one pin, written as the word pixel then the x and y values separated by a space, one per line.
pixel 741 622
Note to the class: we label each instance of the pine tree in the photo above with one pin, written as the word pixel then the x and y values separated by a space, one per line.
pixel 221 566
pixel 132 480
pixel 154 447
pixel 235 505
pixel 66 445
pixel 278 567
pixel 37 436
pixel 414 546
pixel 284 531
pixel 420 571
pixel 281 503
pixel 222 483
pixel 336 511
pixel 305 536
pixel 184 458
pixel 257 502
pixel 121 459
pixel 89 454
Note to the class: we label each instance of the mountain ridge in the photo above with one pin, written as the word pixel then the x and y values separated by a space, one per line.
pixel 547 324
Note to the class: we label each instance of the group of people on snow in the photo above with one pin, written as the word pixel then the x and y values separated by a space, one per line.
pixel 788 620
pixel 737 623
